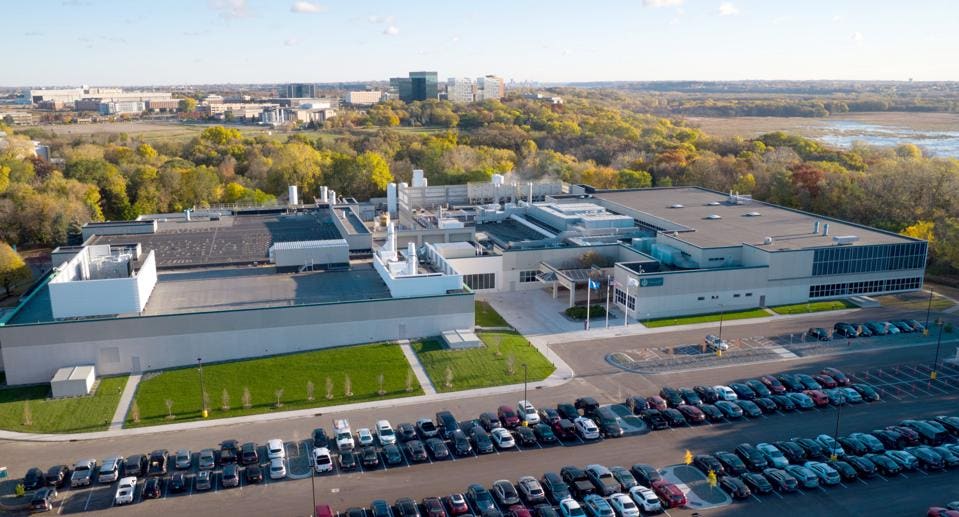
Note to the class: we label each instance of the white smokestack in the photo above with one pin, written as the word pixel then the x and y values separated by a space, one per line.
pixel 531 192
pixel 324 194
pixel 293 195
pixel 411 263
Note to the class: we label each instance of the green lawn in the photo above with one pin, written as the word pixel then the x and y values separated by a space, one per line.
pixel 916 301
pixel 71 415
pixel 803 308
pixel 486 316
pixel 483 367
pixel 264 376
pixel 705 318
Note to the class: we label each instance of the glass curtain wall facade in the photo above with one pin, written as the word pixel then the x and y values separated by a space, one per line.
pixel 845 260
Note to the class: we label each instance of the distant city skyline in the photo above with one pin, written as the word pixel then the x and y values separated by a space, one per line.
pixel 109 42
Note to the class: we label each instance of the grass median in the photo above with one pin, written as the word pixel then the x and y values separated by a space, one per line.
pixel 69 415
pixel 706 318
pixel 806 308
pixel 486 316
pixel 277 383
pixel 485 366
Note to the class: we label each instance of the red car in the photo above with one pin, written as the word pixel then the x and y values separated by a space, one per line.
pixel 564 429
pixel 826 381
pixel 692 414
pixel 656 402
pixel 773 384
pixel 938 511
pixel 518 510
pixel 434 507
pixel 508 417
pixel 324 510
pixel 457 504
pixel 837 375
pixel 669 493
pixel 909 436
pixel 818 397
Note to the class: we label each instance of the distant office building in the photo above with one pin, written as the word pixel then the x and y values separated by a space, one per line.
pixel 419 86
pixel 16 117
pixel 298 91
pixel 163 104
pixel 461 90
pixel 362 98
pixel 121 107
pixel 490 87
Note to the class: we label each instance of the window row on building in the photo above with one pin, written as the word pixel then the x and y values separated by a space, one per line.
pixel 865 287
pixel 480 281
pixel 621 299
pixel 842 260
pixel 528 276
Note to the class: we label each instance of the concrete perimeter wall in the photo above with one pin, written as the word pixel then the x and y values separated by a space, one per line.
pixel 33 353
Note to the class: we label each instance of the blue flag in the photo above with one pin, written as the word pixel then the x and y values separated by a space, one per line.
pixel 593 284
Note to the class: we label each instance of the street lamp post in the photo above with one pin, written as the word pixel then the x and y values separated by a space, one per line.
pixel 835 436
pixel 525 379
pixel 935 365
pixel 203 411
pixel 928 310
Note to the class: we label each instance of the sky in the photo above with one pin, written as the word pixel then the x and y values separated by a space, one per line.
pixel 167 42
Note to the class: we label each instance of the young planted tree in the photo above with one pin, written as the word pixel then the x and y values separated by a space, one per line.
pixel 27 414
pixel 135 412
pixel 309 390
pixel 448 377
pixel 511 364
pixel 409 381
pixel 169 409
pixel 206 401
pixel 329 389
pixel 380 380
pixel 279 397
pixel 347 386
pixel 225 400
pixel 247 399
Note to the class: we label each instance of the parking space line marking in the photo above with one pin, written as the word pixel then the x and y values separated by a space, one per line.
pixel 89 495
pixel 777 494
pixel 843 484
pixel 923 472
pixel 821 489
pixel 882 477
pixel 863 481
pixel 756 498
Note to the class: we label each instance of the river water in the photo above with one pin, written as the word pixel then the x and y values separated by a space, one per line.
pixel 842 133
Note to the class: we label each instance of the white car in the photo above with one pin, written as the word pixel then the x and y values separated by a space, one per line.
pixel 125 491
pixel 773 455
pixel 586 428
pixel 623 505
pixel 826 474
pixel 725 393
pixel 110 469
pixel 527 412
pixel 322 460
pixel 502 438
pixel 570 508
pixel 385 433
pixel 646 499
pixel 275 449
pixel 277 469
pixel 364 436
pixel 831 445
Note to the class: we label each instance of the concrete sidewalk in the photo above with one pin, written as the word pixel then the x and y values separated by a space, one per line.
pixel 417 367
pixel 120 415
pixel 562 375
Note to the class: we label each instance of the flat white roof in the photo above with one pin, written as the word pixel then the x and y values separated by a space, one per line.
pixel 300 245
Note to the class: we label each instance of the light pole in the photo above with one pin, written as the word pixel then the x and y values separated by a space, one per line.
pixel 935 365
pixel 722 312
pixel 203 411
pixel 835 436
pixel 928 310
pixel 525 378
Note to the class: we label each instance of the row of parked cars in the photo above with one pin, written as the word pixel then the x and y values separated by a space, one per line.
pixel 593 491
pixel 848 330
pixel 803 463
pixel 750 398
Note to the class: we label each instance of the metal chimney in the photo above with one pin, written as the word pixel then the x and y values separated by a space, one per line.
pixel 815 227
pixel 825 229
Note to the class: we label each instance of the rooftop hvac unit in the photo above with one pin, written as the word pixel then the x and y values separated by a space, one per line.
pixel 677 205
pixel 713 203
pixel 714 216
pixel 841 240
pixel 768 240
pixel 752 214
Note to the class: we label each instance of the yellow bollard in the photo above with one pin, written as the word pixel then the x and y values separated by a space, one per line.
pixel 205 413
pixel 689 457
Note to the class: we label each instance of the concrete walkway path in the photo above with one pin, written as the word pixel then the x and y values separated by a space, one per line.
pixel 417 366
pixel 120 415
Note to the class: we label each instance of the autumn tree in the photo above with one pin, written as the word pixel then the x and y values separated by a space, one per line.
pixel 13 270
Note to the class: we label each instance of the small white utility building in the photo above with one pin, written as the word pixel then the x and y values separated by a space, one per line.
pixel 73 381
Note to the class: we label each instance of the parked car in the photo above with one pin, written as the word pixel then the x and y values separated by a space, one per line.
pixel 818 333
pixel 757 483
pixel 827 475
pixel 206 460
pixel 347 459
pixel 405 507
pixel 729 409
pixel 587 405
pixel 781 480
pixel 812 448
pixel 773 455
pixel 369 457
pixel 179 481
pixel 432 507
pixel 230 477
pixel 508 417
pixel 602 478
pixel 405 432
pixel 416 451
pixel 692 414
pixel 656 402
pixel 481 441
pixel 825 381
pixel 690 396
pixel 831 446
pixel 249 454
pixel 646 499
pixel 567 411
pixel 385 433
pixel 229 453
pixel 278 467
pixel 669 493
pixel 674 417
pixel 505 493
pixel 320 438
pixel 743 391
pixel 863 466
pixel 607 422
pixel 805 477
pixel 654 419
pixel 550 415
pixel 57 476
pixel 503 439
pixel 884 464
pixel 184 459
pixel 802 400
pixel 868 393
pixel 791 382
pixel 752 457
pixel 570 508
pixel 623 505
pixel 845 470
pixel 706 393
pixel 437 448
pixel 447 423
pixel 555 487
pixel 109 470
pixel 135 465
pixel 461 445
pixel 577 481
pixel 596 506
pixel 791 450
pixel 203 480
pixel 531 490
pixel 928 459
pixel 784 402
pixel 253 474
pixel 707 464
pixel 766 405
pixel 525 436
pixel 153 488
pixel 750 408
pixel 731 463
pixel 734 487
pixel 772 384
pixel 544 434
pixel 808 382
pixel 527 412
pixel 624 477
pixel 758 388
pixel 42 500
pixel 713 414
pixel 586 429
pixel 455 503
pixel 645 474
pixel 480 498
pixel 33 479
pixel 424 427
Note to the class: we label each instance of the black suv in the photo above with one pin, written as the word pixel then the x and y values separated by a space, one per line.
pixel 135 465
pixel 248 454
pixel 587 405
pixel 818 333
pixel 229 452
pixel 320 439
pixel 753 458
pixel 672 396
pixel 606 420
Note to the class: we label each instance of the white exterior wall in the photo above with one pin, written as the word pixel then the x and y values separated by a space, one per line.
pixel 146 280
pixel 417 285
pixel 71 297
pixel 33 353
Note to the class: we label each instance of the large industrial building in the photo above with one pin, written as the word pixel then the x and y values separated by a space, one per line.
pixel 225 284
pixel 230 283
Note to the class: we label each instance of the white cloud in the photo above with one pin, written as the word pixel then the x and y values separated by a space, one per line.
pixel 392 30
pixel 662 3
pixel 230 9
pixel 728 9
pixel 307 7
pixel 836 19
pixel 291 42
pixel 856 36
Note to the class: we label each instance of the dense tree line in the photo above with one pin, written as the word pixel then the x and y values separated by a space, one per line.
pixel 598 141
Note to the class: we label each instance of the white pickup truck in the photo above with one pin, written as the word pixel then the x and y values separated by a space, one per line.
pixel 344 436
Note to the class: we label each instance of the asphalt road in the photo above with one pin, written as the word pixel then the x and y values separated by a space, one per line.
pixel 909 495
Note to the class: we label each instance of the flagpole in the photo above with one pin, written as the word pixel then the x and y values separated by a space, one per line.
pixel 589 287
pixel 609 280
pixel 626 306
